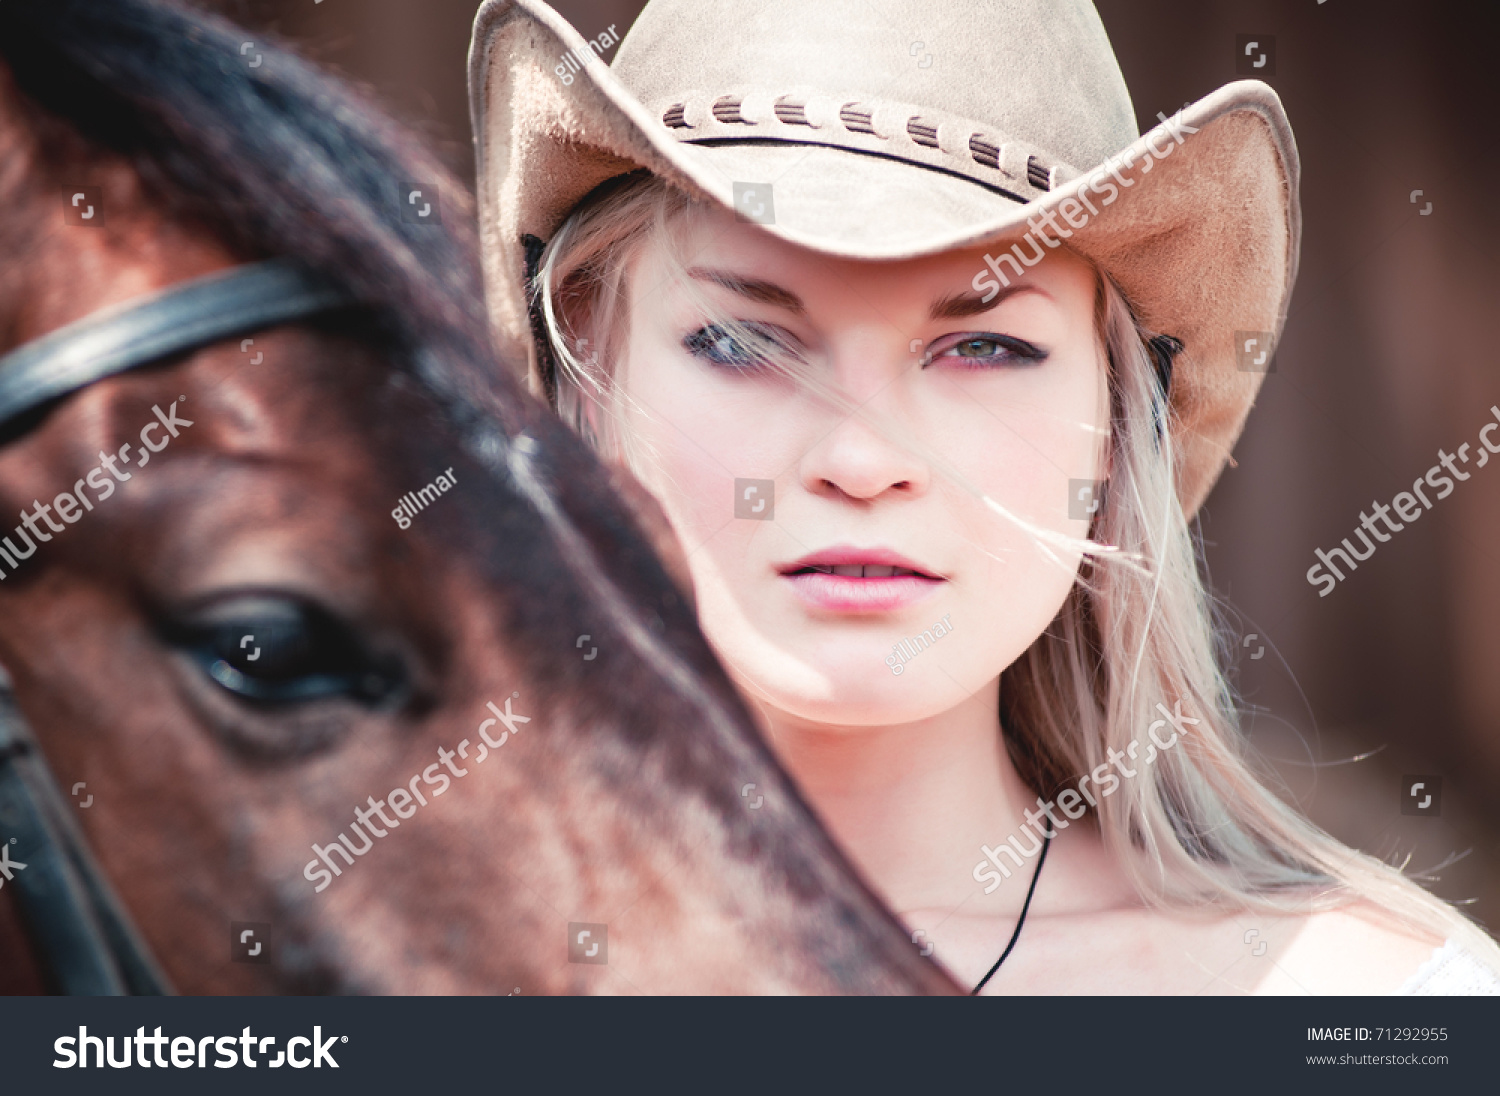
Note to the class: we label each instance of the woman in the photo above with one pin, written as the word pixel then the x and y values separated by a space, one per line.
pixel 930 360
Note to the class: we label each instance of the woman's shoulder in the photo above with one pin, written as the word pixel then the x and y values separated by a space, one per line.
pixel 1453 971
pixel 1359 950
pixel 1127 947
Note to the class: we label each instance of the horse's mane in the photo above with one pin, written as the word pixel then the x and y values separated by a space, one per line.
pixel 272 160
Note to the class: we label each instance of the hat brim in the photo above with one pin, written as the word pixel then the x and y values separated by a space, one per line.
pixel 1203 241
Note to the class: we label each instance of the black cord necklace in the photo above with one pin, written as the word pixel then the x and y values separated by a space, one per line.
pixel 1046 844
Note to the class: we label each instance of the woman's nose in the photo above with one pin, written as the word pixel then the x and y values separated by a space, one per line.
pixel 863 457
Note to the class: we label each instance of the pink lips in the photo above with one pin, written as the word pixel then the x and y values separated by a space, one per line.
pixel 860 580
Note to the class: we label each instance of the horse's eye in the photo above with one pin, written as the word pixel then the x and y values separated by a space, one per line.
pixel 278 650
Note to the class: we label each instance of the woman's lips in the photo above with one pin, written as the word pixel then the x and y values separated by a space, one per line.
pixel 854 588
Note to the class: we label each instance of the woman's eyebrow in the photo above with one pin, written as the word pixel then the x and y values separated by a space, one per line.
pixel 952 307
pixel 751 288
pixel 956 306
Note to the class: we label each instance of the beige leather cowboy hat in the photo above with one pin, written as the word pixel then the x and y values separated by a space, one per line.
pixel 892 129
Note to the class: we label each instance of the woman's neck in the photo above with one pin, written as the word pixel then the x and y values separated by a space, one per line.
pixel 910 803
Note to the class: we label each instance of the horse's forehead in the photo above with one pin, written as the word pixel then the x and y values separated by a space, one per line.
pixel 286 391
pixel 287 396
pixel 275 470
pixel 69 275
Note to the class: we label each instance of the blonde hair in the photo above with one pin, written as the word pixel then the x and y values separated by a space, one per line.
pixel 1197 829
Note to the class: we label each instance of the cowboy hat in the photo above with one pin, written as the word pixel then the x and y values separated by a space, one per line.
pixel 896 130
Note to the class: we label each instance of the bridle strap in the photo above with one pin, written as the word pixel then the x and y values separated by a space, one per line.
pixel 83 935
pixel 85 942
pixel 180 318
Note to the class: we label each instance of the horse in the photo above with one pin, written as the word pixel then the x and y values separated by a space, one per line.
pixel 361 673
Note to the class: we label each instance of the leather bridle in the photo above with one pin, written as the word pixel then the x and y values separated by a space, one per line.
pixel 81 933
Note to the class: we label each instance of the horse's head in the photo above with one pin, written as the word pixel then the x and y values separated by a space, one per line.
pixel 325 624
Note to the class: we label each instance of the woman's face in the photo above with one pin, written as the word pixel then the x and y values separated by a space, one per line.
pixel 771 487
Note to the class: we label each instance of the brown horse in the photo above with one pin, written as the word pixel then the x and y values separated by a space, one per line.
pixel 354 583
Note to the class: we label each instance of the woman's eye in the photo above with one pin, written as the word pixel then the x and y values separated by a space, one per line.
pixel 278 650
pixel 747 347
pixel 985 350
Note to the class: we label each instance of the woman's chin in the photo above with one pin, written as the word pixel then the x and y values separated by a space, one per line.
pixel 853 696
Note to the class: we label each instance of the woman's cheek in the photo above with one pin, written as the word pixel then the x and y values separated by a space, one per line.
pixel 690 484
pixel 1022 581
pixel 688 455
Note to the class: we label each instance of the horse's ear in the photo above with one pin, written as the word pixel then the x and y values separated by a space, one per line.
pixel 653 522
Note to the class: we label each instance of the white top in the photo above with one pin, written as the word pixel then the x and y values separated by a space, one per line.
pixel 1452 971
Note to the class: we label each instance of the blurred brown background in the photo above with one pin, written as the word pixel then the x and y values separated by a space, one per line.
pixel 1389 355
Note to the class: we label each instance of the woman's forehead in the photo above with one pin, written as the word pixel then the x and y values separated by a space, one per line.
pixel 714 248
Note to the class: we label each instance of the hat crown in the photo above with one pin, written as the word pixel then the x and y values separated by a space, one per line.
pixel 1038 71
